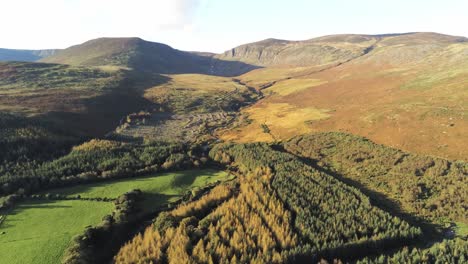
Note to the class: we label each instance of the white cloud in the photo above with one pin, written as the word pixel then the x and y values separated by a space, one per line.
pixel 60 23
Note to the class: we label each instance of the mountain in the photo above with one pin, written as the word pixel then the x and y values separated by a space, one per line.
pixel 402 90
pixel 326 50
pixel 271 52
pixel 25 55
pixel 146 56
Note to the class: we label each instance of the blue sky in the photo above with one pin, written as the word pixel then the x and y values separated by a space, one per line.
pixel 217 25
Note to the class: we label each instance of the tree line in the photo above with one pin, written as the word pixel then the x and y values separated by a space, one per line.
pixel 99 160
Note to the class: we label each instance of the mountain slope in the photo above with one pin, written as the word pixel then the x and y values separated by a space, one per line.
pixel 83 99
pixel 325 50
pixel 406 90
pixel 273 52
pixel 25 55
pixel 142 55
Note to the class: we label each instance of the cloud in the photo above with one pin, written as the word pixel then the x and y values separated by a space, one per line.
pixel 183 13
pixel 52 23
pixel 156 14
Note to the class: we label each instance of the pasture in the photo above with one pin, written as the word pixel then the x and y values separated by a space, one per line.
pixel 158 189
pixel 39 231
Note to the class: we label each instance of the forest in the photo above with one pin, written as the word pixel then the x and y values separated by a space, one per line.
pixel 318 197
pixel 266 218
pixel 431 188
pixel 301 200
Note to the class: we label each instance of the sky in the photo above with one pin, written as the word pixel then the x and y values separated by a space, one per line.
pixel 218 25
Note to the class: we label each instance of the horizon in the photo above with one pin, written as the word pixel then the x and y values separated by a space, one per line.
pixel 169 44
pixel 217 26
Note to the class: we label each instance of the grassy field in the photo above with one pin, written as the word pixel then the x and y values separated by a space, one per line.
pixel 40 231
pixel 158 189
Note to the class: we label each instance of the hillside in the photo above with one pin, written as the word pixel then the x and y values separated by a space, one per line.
pixel 315 52
pixel 402 90
pixel 80 97
pixel 333 49
pixel 25 55
pixel 141 55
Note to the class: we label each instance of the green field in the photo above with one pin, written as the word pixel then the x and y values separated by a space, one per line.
pixel 158 189
pixel 40 231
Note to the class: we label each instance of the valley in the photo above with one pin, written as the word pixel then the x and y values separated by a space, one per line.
pixel 344 148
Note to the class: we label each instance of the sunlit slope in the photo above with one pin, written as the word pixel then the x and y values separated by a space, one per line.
pixel 185 93
pixel 272 52
pixel 410 91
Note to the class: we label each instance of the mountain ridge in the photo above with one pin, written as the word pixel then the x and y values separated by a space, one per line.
pixel 141 55
pixel 329 49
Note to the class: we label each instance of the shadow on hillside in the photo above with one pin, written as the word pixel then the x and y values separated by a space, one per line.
pixel 155 202
pixel 381 201
pixel 430 231
pixel 229 68
pixel 104 112
pixel 27 205
pixel 162 59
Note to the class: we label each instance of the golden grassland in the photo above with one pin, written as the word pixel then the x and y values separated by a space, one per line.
pixel 290 86
pixel 195 83
pixel 200 82
pixel 284 120
pixel 420 106
pixel 262 77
